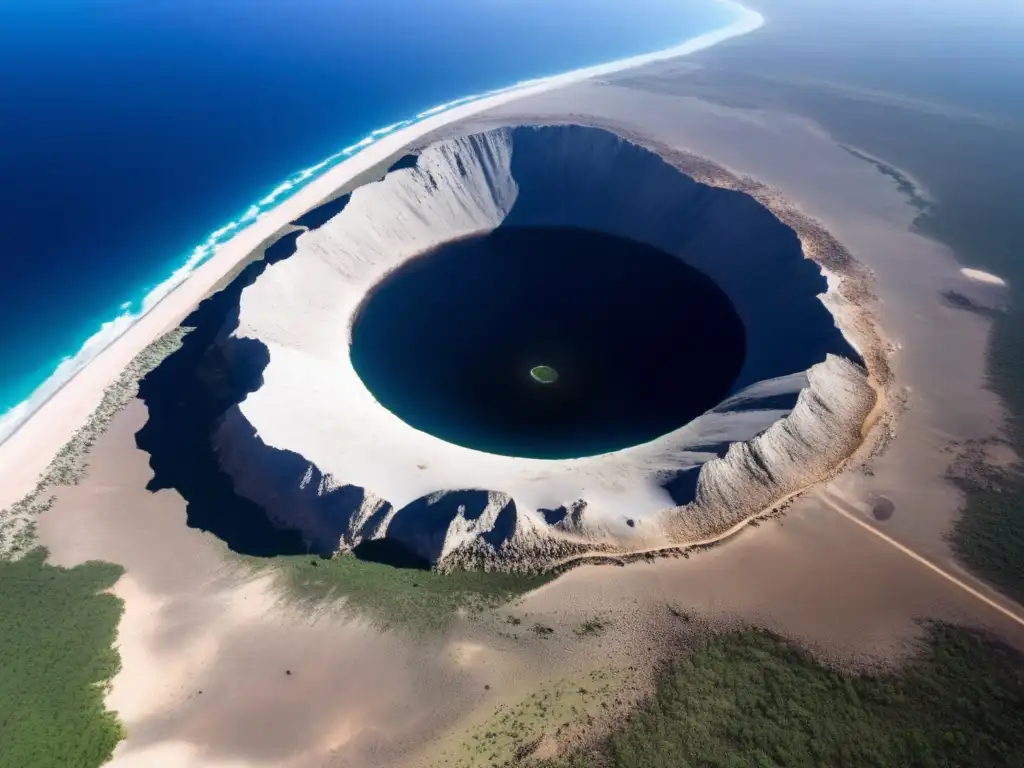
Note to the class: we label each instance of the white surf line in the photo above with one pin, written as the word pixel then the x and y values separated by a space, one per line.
pixel 840 506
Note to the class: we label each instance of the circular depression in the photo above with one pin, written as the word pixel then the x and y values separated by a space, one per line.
pixel 630 342
pixel 311 444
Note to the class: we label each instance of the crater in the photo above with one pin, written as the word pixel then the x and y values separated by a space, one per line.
pixel 629 342
pixel 521 346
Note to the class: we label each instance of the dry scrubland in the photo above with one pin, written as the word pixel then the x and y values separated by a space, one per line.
pixel 742 697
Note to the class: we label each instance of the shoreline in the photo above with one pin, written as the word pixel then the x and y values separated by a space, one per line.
pixel 40 430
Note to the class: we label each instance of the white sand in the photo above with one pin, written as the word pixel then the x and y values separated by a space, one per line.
pixel 25 454
pixel 982 277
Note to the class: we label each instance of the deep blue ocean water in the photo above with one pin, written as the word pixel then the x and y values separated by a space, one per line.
pixel 129 131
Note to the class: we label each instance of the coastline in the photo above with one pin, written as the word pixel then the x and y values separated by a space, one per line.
pixel 42 424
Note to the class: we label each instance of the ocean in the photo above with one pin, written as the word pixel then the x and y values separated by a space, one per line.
pixel 135 136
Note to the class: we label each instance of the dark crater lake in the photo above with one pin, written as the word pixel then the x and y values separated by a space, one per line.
pixel 641 342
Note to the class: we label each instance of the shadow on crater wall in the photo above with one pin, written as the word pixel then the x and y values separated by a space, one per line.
pixel 192 388
pixel 776 290
pixel 405 161
pixel 186 394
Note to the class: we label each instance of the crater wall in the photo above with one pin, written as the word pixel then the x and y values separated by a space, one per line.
pixel 313 447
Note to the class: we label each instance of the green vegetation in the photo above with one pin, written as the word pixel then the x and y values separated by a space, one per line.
pixel 976 212
pixel 974 208
pixel 56 659
pixel 419 599
pixel 516 730
pixel 989 536
pixel 544 374
pixel 752 699
pixel 57 627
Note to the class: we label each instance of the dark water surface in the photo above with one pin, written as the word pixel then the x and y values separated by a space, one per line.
pixel 642 342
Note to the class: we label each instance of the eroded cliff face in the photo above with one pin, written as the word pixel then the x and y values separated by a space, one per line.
pixel 312 446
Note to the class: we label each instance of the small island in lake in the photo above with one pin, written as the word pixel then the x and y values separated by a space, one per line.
pixel 544 374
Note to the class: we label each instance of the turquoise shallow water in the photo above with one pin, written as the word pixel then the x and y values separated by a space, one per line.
pixel 135 136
